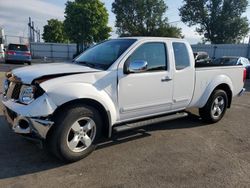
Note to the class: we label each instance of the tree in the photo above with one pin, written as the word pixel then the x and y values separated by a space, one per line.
pixel 86 22
pixel 220 21
pixel 143 18
pixel 54 32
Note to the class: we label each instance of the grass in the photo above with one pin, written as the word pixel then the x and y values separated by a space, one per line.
pixel 2 74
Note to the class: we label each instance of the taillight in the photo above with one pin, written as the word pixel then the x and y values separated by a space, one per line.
pixel 244 75
pixel 10 53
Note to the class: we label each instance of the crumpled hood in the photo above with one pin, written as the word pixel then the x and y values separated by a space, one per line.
pixel 29 73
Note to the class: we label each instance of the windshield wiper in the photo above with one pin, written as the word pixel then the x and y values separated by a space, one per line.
pixel 92 65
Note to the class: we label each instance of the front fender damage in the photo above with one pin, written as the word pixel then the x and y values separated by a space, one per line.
pixel 42 106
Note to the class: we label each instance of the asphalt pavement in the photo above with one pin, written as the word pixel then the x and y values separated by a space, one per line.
pixel 180 153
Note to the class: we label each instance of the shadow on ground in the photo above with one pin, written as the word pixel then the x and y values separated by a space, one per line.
pixel 247 85
pixel 188 122
pixel 20 157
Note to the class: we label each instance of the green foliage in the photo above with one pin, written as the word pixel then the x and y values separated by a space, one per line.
pixel 54 32
pixel 86 21
pixel 143 18
pixel 220 21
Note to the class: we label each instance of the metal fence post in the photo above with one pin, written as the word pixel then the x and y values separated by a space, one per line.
pixel 31 49
pixel 248 51
pixel 214 52
pixel 51 51
pixel 68 51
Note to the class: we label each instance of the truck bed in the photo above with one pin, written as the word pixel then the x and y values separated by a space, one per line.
pixel 207 77
pixel 204 65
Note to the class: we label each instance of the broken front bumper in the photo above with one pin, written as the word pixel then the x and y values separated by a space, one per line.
pixel 26 119
pixel 27 126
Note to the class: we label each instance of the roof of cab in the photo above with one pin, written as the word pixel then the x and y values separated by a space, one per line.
pixel 139 38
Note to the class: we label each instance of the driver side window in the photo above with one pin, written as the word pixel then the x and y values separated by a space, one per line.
pixel 153 53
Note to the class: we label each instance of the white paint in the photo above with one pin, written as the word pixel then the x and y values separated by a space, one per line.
pixel 28 74
pixel 130 96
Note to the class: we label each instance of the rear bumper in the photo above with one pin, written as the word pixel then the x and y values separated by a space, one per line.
pixel 18 58
pixel 242 92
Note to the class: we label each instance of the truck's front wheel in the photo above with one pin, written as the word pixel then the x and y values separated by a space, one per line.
pixel 75 133
pixel 215 108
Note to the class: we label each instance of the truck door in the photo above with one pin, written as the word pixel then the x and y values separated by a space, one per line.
pixel 184 75
pixel 146 92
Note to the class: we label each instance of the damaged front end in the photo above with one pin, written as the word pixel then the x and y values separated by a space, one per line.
pixel 28 111
pixel 28 126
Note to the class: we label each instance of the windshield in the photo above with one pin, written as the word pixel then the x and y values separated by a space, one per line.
pixel 103 55
pixel 17 47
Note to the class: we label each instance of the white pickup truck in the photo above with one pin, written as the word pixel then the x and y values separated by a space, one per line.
pixel 117 85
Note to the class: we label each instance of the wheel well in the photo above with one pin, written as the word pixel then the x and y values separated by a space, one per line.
pixel 90 102
pixel 228 91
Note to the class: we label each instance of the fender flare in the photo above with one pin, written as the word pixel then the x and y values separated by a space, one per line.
pixel 217 81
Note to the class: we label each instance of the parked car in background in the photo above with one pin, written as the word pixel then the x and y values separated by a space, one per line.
pixel 17 53
pixel 233 60
pixel 201 59
pixel 1 53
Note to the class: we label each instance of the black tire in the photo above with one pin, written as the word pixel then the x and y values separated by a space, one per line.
pixel 57 139
pixel 206 112
pixel 29 63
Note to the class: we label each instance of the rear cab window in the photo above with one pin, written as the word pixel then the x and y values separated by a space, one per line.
pixel 17 47
pixel 181 55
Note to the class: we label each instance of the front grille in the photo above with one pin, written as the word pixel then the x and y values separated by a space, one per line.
pixel 16 91
pixel 13 90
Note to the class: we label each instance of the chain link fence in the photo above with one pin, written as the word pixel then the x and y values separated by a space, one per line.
pixel 52 51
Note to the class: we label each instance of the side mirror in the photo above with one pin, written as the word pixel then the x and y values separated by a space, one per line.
pixel 4 50
pixel 136 66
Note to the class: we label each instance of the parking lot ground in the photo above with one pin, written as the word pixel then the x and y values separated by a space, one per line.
pixel 2 74
pixel 180 153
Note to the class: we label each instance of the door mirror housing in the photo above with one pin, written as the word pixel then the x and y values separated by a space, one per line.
pixel 136 66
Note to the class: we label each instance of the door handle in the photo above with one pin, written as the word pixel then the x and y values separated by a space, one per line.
pixel 166 79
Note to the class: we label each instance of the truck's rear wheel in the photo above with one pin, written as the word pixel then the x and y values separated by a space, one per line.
pixel 215 108
pixel 75 133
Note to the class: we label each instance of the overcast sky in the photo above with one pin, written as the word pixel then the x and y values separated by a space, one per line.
pixel 14 16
